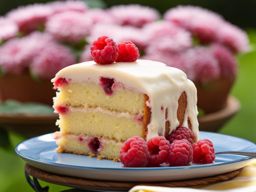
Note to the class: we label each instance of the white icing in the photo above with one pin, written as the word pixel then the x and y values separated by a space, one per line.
pixel 162 84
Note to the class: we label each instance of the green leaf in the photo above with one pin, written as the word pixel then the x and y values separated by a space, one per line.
pixel 5 141
pixel 14 107
pixel 95 3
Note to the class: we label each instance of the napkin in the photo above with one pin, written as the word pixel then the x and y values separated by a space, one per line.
pixel 244 182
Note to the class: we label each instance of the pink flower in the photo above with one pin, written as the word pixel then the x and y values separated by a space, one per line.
pixel 35 42
pixel 233 37
pixel 30 17
pixel 99 16
pixel 206 29
pixel 8 29
pixel 69 26
pixel 50 60
pixel 13 56
pixel 204 66
pixel 172 59
pixel 226 60
pixel 203 23
pixel 38 37
pixel 169 44
pixel 198 63
pixel 134 15
pixel 118 33
pixel 86 54
pixel 186 15
pixel 70 5
pixel 164 36
pixel 208 26
pixel 16 54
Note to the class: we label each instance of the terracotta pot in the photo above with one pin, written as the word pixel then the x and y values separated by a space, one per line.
pixel 24 88
pixel 213 122
pixel 213 96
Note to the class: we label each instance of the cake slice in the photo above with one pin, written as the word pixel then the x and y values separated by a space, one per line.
pixel 101 106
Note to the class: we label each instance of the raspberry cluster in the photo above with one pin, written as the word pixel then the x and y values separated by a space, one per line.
pixel 106 51
pixel 178 149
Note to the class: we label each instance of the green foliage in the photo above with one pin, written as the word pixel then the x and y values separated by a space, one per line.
pixel 5 142
pixel 95 3
pixel 14 107
pixel 252 37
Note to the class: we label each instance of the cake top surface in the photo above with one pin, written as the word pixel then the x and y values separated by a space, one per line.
pixel 133 74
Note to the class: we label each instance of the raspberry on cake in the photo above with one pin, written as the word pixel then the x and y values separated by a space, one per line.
pixel 104 50
pixel 104 105
pixel 127 52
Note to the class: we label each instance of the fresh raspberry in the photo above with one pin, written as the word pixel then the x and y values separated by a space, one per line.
pixel 182 133
pixel 203 152
pixel 59 82
pixel 134 152
pixel 127 52
pixel 61 109
pixel 180 153
pixel 104 50
pixel 158 150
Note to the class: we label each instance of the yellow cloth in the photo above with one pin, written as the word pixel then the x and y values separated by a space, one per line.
pixel 247 178
pixel 244 182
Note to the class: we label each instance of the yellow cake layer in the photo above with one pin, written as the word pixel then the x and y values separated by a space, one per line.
pixel 95 123
pixel 92 95
pixel 109 149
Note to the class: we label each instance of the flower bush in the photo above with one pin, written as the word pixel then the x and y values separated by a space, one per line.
pixel 43 38
pixel 69 26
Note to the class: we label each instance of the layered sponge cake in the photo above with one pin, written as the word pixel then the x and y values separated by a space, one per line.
pixel 101 106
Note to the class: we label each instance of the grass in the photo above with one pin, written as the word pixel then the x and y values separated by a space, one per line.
pixel 242 125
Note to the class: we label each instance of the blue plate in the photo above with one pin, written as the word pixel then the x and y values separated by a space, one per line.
pixel 40 152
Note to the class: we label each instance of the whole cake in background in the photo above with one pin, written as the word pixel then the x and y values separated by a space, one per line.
pixel 104 103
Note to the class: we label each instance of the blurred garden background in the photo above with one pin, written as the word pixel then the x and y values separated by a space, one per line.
pixel 240 13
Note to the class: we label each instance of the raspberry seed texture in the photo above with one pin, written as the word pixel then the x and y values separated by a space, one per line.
pixel 127 52
pixel 203 152
pixel 134 152
pixel 159 150
pixel 104 51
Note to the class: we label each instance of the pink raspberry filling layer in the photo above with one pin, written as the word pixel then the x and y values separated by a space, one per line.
pixel 106 84
pixel 93 143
